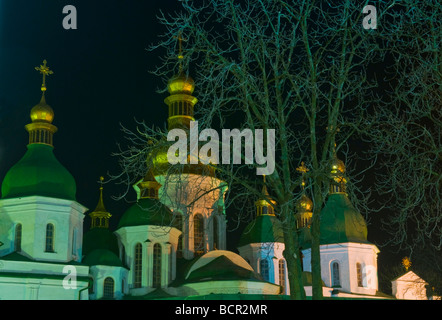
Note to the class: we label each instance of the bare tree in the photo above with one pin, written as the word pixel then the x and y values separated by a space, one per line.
pixel 406 129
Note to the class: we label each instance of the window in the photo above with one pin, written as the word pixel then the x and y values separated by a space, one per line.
pixel 17 240
pixel 336 281
pixel 156 266
pixel 359 274
pixel 50 234
pixel 282 274
pixel 198 224
pixel 108 288
pixel 123 255
pixel 137 265
pixel 179 250
pixel 264 269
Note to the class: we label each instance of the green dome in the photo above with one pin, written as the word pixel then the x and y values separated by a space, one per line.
pixel 99 238
pixel 265 228
pixel 39 173
pixel 341 222
pixel 102 257
pixel 146 212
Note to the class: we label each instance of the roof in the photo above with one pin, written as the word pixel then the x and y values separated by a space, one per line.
pixel 409 276
pixel 265 228
pixel 146 212
pixel 221 265
pixel 341 222
pixel 99 238
pixel 18 256
pixel 39 173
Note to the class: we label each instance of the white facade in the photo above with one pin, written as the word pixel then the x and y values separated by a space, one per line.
pixel 410 287
pixel 350 267
pixel 28 280
pixel 148 236
pixel 34 214
pixel 102 274
pixel 192 196
pixel 271 252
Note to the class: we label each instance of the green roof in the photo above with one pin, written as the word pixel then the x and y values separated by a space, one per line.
pixel 341 222
pixel 222 268
pixel 146 212
pixel 18 256
pixel 102 257
pixel 265 228
pixel 99 238
pixel 39 173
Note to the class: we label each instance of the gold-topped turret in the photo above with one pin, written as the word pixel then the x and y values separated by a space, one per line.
pixel 304 206
pixel 100 216
pixel 149 186
pixel 265 205
pixel 41 130
pixel 181 102
pixel 338 183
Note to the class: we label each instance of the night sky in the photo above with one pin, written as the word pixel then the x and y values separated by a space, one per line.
pixel 101 79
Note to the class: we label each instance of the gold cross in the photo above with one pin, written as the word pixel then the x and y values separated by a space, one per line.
pixel 101 183
pixel 406 263
pixel 45 71
pixel 302 168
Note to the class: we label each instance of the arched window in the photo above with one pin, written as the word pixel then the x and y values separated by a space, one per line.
pixel 50 235
pixel 17 238
pixel 108 288
pixel 137 265
pixel 282 274
pixel 198 234
pixel 264 269
pixel 359 274
pixel 179 250
pixel 156 266
pixel 215 232
pixel 123 255
pixel 335 277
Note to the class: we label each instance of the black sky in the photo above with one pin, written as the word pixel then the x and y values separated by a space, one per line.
pixel 100 80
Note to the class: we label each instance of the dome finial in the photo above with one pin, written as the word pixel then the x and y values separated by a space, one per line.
pixel 45 71
pixel 303 169
pixel 180 52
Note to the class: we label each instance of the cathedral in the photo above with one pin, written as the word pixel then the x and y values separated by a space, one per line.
pixel 171 243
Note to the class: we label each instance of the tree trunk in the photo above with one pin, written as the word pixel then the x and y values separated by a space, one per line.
pixel 292 256
pixel 315 252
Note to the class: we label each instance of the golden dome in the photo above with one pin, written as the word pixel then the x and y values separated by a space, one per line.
pixel 42 112
pixel 181 84
pixel 337 166
pixel 304 204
